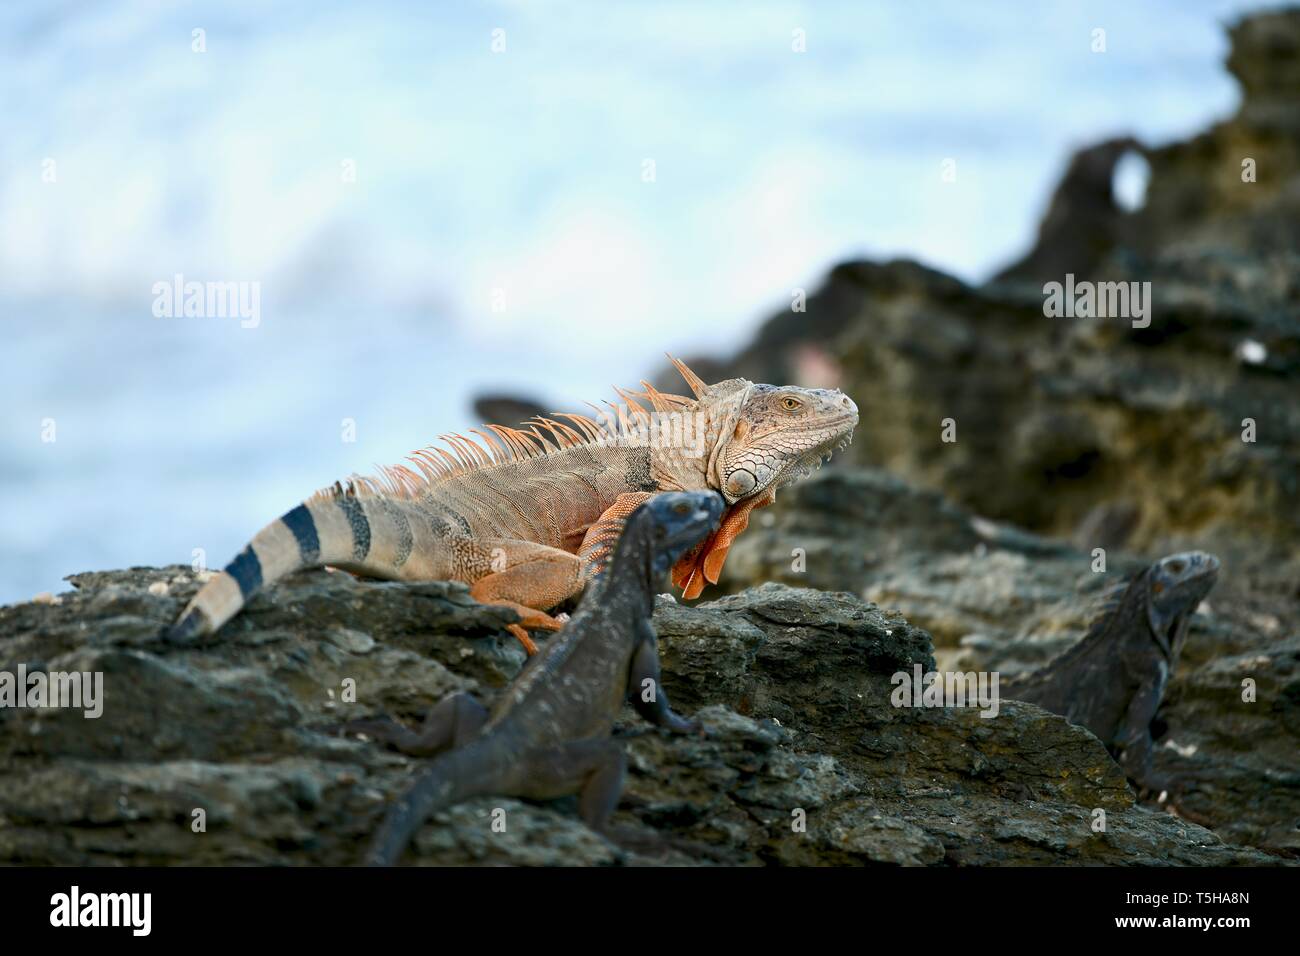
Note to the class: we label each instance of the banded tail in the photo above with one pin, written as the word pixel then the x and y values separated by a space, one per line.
pixel 369 534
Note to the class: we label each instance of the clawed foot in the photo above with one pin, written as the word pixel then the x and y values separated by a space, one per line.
pixel 521 634
pixel 530 646
pixel 682 725
pixel 671 721
pixel 1169 791
pixel 1162 786
pixel 1181 812
pixel 637 840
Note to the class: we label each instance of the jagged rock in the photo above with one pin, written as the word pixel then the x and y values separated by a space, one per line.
pixel 997 600
pixel 1115 435
pixel 1084 221
pixel 1057 418
pixel 1049 438
pixel 803 760
pixel 1198 195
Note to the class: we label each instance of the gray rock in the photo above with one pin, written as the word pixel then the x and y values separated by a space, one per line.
pixel 1009 602
pixel 803 759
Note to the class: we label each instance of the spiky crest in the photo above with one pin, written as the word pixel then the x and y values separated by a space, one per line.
pixel 697 384
pixel 501 444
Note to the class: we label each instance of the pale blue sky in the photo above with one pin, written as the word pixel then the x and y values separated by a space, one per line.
pixel 519 171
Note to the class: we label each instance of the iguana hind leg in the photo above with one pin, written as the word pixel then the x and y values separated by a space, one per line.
pixel 594 769
pixel 525 577
pixel 450 723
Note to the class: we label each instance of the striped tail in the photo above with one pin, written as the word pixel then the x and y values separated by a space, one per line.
pixel 370 535
pixel 478 768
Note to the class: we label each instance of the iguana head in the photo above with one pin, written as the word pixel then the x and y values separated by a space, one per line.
pixel 1175 586
pixel 677 521
pixel 777 435
pixel 659 532
pixel 759 439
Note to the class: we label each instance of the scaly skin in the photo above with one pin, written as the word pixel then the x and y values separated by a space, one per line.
pixel 1113 680
pixel 526 517
pixel 549 733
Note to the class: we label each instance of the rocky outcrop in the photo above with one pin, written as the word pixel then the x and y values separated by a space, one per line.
pixel 1012 445
pixel 1088 427
pixel 1182 432
pixel 995 598
pixel 1098 433
pixel 804 759
pixel 1016 445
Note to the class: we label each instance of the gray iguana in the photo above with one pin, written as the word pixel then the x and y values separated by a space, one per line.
pixel 524 515
pixel 1112 681
pixel 549 732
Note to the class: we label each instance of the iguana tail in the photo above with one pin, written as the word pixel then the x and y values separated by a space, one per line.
pixel 480 767
pixel 371 534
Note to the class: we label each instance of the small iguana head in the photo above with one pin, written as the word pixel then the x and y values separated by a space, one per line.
pixel 678 520
pixel 777 435
pixel 1175 586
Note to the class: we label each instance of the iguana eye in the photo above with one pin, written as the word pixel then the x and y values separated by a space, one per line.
pixel 790 404
pixel 681 508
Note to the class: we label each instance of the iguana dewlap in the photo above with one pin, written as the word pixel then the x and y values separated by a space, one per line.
pixel 704 562
pixel 525 515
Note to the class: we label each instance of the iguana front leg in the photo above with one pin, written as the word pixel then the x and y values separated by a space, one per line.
pixel 598 543
pixel 528 576
pixel 450 723
pixel 1134 739
pixel 646 692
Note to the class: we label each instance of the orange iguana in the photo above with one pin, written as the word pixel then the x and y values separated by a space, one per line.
pixel 526 516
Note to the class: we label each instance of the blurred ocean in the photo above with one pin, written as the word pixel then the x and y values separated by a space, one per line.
pixel 500 232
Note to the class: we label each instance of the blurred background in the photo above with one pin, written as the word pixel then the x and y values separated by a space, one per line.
pixel 430 219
